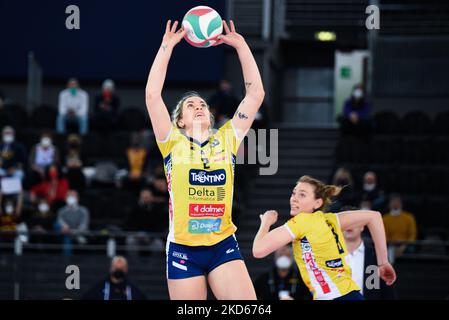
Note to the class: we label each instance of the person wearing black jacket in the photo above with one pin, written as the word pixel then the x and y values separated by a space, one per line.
pixel 361 255
pixel 283 281
pixel 116 286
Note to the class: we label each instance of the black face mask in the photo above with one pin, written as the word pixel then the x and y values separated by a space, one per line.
pixel 74 145
pixel 342 181
pixel 119 274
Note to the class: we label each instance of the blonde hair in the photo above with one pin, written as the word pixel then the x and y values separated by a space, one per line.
pixel 177 112
pixel 322 190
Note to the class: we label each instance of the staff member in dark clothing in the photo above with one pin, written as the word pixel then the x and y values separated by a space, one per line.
pixel 116 286
pixel 361 256
pixel 283 281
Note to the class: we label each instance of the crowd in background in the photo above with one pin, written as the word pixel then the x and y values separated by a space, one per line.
pixel 42 188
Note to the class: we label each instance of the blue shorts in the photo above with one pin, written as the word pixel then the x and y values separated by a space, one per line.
pixel 353 295
pixel 192 261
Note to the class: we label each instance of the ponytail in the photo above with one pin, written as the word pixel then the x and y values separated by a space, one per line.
pixel 322 191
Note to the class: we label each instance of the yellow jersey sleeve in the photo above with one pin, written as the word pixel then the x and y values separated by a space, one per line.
pixel 293 226
pixel 166 146
pixel 230 135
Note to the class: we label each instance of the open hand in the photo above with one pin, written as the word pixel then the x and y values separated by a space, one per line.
pixel 172 37
pixel 231 37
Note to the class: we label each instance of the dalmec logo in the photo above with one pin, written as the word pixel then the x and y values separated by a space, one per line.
pixel 206 210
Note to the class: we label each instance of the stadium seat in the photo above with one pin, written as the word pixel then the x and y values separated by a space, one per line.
pixel 133 119
pixel 411 181
pixel 441 123
pixel 386 122
pixel 44 117
pixel 415 151
pixel 19 115
pixel 439 151
pixel 416 123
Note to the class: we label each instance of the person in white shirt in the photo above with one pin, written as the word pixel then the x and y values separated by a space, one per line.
pixel 73 106
pixel 360 256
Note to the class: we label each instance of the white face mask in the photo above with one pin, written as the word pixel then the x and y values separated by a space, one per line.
pixel 395 212
pixel 369 186
pixel 8 138
pixel 357 94
pixel 46 142
pixel 43 207
pixel 9 209
pixel 283 262
pixel 72 201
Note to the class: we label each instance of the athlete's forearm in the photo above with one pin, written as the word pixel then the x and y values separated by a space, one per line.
pixel 158 72
pixel 251 74
pixel 377 230
pixel 258 244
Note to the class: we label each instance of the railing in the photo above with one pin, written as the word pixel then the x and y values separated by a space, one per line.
pixel 420 249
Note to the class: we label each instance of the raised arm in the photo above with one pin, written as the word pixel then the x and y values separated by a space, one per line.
pixel 267 241
pixel 373 220
pixel 247 110
pixel 159 116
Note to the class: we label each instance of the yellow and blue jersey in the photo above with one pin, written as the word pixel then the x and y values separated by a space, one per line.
pixel 320 251
pixel 200 179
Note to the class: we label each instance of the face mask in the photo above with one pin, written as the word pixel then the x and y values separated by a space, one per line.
pixel 73 91
pixel 72 201
pixel 8 138
pixel 74 145
pixel 395 212
pixel 119 274
pixel 43 207
pixel 46 142
pixel 283 262
pixel 357 94
pixel 342 181
pixel 9 209
pixel 369 186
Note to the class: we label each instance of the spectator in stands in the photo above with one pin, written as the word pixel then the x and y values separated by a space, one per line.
pixel 343 178
pixel 355 119
pixel 144 218
pixel 73 106
pixel 42 155
pixel 283 281
pixel 400 225
pixel 137 159
pixel 12 154
pixel 106 107
pixel 361 255
pixel 6 119
pixel 160 193
pixel 54 188
pixel 72 220
pixel 116 286
pixel 10 215
pixel 42 221
pixel 74 164
pixel 371 192
pixel 223 103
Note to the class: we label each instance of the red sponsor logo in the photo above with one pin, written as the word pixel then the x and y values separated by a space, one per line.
pixel 206 210
pixel 316 272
